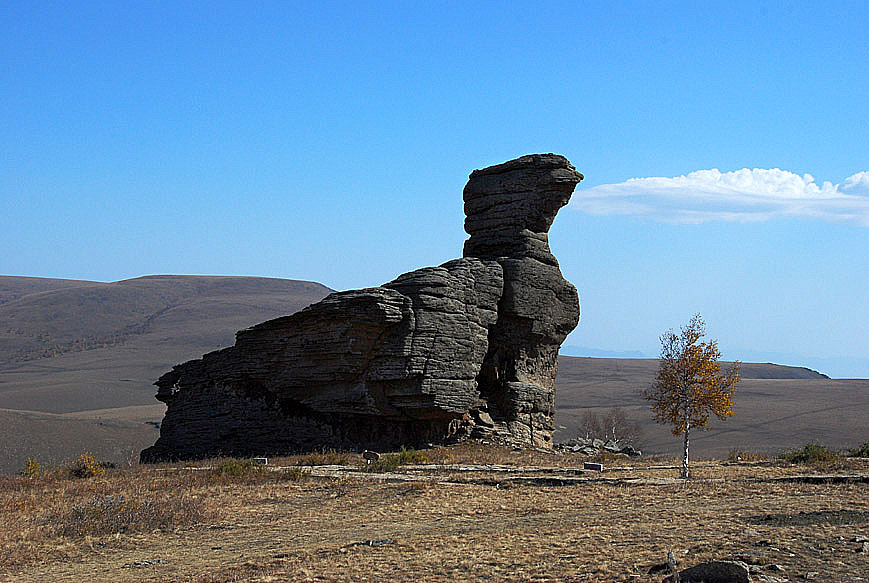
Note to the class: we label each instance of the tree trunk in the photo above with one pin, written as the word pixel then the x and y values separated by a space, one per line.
pixel 685 472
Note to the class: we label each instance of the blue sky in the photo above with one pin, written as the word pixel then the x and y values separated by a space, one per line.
pixel 331 141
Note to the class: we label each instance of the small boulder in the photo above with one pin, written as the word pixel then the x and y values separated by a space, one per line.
pixel 714 572
pixel 612 446
pixel 630 451
pixel 485 419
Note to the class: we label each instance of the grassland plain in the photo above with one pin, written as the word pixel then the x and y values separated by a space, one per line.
pixel 465 514
pixel 78 359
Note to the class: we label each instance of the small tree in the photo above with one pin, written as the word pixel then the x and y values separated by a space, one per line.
pixel 618 427
pixel 590 425
pixel 689 384
pixel 613 425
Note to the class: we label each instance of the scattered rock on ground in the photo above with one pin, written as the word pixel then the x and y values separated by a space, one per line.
pixel 714 572
pixel 591 447
pixel 145 563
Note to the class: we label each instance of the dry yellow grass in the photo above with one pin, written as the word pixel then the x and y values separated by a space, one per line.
pixel 267 526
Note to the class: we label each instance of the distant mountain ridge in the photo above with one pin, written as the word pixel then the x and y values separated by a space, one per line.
pixel 13 287
pixel 842 367
pixel 58 343
pixel 48 317
pixel 78 358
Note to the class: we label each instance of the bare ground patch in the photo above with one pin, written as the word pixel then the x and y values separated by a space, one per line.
pixel 265 526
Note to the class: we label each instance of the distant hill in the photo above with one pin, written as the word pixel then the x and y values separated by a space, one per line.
pixel 78 359
pixel 92 350
pixel 13 287
pixel 775 407
pixel 43 318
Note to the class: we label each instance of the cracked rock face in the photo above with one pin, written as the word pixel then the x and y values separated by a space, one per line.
pixel 468 348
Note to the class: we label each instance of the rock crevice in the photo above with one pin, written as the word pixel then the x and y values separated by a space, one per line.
pixel 468 348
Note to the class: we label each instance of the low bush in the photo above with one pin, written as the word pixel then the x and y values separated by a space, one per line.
pixel 325 458
pixel 411 456
pixel 294 474
pixel 391 461
pixel 237 468
pixel 32 469
pixel 810 453
pixel 85 466
pixel 862 451
pixel 120 514
pixel 248 471
pixel 387 463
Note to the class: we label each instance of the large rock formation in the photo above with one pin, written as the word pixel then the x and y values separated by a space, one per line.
pixel 468 348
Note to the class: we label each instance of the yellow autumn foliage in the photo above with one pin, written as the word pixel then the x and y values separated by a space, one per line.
pixel 690 385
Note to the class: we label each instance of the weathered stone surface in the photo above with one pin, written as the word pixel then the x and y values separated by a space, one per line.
pixel 435 355
pixel 598 447
pixel 715 572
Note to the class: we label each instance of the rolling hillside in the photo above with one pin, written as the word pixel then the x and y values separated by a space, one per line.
pixel 78 359
pixel 775 407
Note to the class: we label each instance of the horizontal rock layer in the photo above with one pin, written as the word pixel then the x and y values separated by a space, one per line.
pixel 468 348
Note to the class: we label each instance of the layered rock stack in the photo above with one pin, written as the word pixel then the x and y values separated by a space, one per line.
pixel 468 348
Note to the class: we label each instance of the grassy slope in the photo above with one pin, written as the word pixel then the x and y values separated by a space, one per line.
pixel 775 407
pixel 148 325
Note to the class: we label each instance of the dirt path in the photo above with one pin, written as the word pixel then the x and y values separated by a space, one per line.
pixel 352 528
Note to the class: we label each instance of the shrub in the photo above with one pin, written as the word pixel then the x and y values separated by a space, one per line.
pixel 387 463
pixel 411 456
pixel 118 514
pixel 237 468
pixel 391 461
pixel 862 451
pixel 247 470
pixel 810 453
pixel 325 458
pixel 85 466
pixel 295 474
pixel 32 468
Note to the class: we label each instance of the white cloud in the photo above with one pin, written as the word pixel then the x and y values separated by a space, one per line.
pixel 755 194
